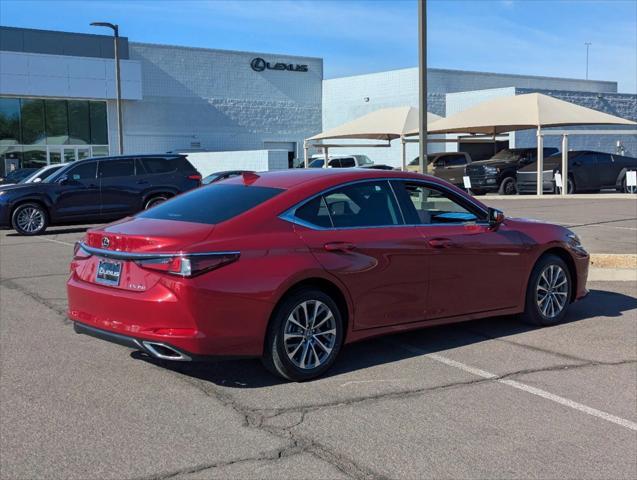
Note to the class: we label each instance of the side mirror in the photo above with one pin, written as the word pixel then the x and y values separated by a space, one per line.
pixel 496 217
pixel 63 180
pixel 37 180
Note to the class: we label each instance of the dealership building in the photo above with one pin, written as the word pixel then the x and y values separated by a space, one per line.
pixel 57 99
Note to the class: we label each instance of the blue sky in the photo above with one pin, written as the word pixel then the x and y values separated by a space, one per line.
pixel 540 37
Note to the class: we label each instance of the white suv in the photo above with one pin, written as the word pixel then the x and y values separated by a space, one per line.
pixel 340 161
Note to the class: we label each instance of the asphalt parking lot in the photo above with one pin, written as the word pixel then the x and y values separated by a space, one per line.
pixel 485 399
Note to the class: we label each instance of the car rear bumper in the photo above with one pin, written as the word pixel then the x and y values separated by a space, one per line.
pixel 190 319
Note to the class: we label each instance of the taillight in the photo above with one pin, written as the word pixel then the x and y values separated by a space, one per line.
pixel 188 265
pixel 195 177
pixel 79 252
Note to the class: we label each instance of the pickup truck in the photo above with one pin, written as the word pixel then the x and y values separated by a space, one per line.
pixel 449 166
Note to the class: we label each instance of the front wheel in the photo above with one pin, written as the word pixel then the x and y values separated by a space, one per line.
pixel 155 201
pixel 29 219
pixel 508 187
pixel 305 336
pixel 548 293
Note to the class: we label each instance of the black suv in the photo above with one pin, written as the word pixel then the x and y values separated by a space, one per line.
pixel 497 174
pixel 95 190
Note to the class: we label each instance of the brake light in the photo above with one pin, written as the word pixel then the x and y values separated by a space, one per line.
pixel 188 265
pixel 79 252
pixel 194 177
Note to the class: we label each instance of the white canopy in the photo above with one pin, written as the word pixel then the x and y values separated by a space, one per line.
pixel 521 112
pixel 384 124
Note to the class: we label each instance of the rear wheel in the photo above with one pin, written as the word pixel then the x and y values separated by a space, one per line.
pixel 30 219
pixel 155 201
pixel 548 293
pixel 305 335
pixel 508 187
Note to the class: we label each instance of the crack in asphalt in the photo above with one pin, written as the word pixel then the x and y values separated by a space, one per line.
pixel 11 285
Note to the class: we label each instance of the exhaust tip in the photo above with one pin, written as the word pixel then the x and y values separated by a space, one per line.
pixel 165 352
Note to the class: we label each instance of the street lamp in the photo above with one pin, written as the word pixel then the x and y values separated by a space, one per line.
pixel 115 28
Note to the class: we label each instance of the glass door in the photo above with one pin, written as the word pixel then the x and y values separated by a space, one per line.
pixel 68 154
pixel 55 156
pixel 83 152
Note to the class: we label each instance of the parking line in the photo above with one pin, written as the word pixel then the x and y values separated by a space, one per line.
pixel 57 241
pixel 521 386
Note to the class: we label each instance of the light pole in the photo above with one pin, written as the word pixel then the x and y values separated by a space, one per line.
pixel 588 44
pixel 120 135
pixel 422 83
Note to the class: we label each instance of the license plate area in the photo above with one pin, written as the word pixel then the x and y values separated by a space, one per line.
pixel 108 272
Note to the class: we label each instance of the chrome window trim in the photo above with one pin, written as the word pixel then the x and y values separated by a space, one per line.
pixel 146 256
pixel 289 214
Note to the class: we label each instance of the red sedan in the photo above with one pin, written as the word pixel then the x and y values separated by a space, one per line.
pixel 289 266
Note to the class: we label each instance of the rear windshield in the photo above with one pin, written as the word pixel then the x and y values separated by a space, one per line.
pixel 211 204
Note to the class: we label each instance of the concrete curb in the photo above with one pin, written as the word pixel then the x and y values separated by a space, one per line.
pixel 612 275
pixel 614 261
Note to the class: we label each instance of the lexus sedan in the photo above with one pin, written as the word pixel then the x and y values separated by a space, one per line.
pixel 291 265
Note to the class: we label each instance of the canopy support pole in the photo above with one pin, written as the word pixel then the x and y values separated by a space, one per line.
pixel 422 85
pixel 540 161
pixel 495 143
pixel 326 156
pixel 305 152
pixel 565 164
pixel 403 153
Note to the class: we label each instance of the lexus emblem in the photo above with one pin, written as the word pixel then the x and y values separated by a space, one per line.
pixel 105 242
pixel 257 64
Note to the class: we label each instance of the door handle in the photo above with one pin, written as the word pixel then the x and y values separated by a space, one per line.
pixel 440 243
pixel 339 247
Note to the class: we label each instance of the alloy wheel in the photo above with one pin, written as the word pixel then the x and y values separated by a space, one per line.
pixel 30 219
pixel 552 291
pixel 310 334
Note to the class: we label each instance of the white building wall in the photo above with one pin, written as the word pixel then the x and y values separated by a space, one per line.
pixel 254 160
pixel 214 99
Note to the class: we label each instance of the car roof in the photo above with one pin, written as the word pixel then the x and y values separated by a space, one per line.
pixel 124 157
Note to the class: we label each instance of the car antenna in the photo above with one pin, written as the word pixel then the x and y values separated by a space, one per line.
pixel 249 177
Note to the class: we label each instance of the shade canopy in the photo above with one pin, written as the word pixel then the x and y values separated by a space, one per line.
pixel 383 124
pixel 521 112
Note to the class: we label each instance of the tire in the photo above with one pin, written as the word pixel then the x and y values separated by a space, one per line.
pixel 156 200
pixel 299 357
pixel 508 187
pixel 570 186
pixel 550 274
pixel 30 219
pixel 476 193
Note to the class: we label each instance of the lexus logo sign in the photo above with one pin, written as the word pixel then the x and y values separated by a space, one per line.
pixel 258 64
pixel 105 242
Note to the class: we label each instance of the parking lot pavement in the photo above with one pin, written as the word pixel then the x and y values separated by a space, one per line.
pixel 486 399
pixel 605 224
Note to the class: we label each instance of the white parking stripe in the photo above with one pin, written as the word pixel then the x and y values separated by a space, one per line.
pixel 521 386
pixel 57 241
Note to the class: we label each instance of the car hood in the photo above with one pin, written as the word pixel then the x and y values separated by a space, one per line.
pixel 549 165
pixel 18 188
pixel 495 162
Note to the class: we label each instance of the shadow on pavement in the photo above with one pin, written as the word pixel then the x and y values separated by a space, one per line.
pixel 369 353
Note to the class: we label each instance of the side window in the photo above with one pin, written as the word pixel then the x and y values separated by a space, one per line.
pixel 368 204
pixel 336 163
pixel 456 160
pixel 348 162
pixel 117 168
pixel 428 206
pixel 158 165
pixel 85 171
pixel 315 212
pixel 439 162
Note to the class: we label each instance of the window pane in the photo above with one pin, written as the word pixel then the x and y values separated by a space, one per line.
pixel 434 207
pixel 57 125
pixel 79 127
pixel 99 129
pixel 99 151
pixel 348 162
pixel 368 204
pixel 34 157
pixel 10 121
pixel 32 121
pixel 10 159
pixel 211 204
pixel 117 168
pixel 456 160
pixel 314 212
pixel 158 165
pixel 84 171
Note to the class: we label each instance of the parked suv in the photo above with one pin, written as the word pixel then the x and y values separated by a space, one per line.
pixel 497 174
pixel 95 190
pixel 587 172
pixel 449 166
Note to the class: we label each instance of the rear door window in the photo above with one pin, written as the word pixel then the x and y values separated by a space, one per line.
pixel 456 160
pixel 211 205
pixel 117 168
pixel 348 162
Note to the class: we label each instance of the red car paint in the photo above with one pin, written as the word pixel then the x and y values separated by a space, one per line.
pixel 390 279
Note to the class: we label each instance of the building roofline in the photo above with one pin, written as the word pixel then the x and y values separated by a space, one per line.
pixel 46 30
pixel 167 45
pixel 474 72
